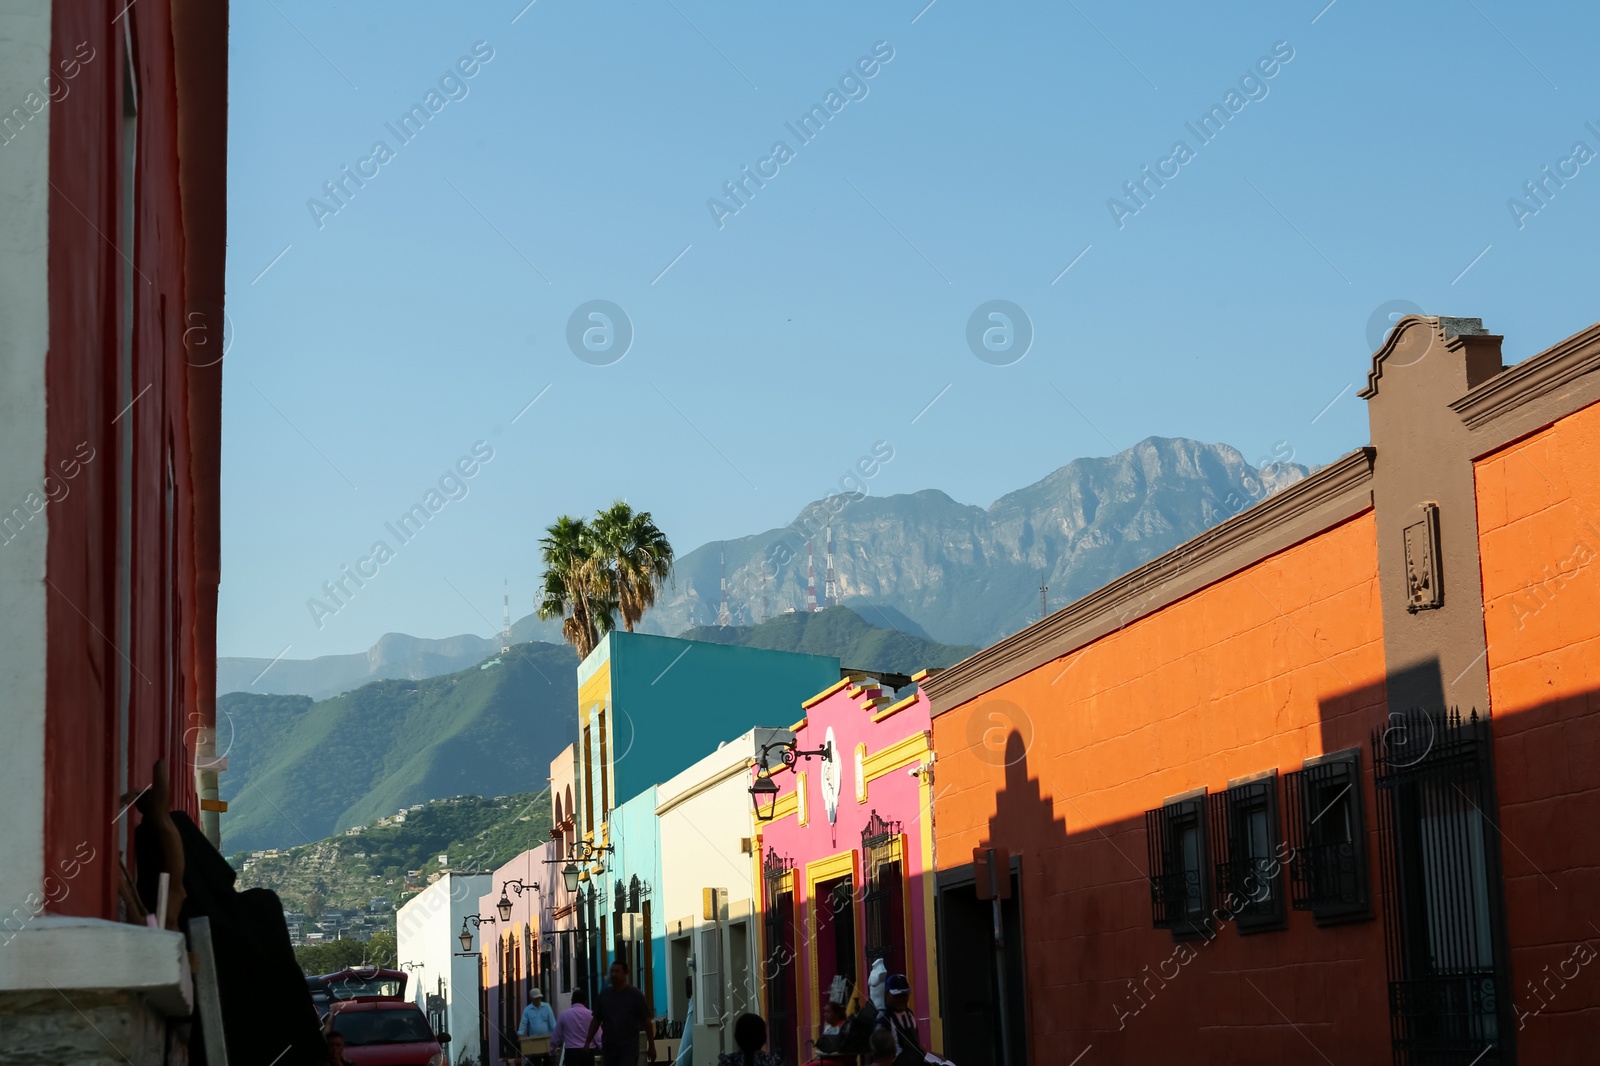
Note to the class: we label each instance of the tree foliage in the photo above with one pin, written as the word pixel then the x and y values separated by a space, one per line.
pixel 335 955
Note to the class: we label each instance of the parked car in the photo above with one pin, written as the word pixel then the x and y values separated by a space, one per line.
pixel 365 982
pixel 320 997
pixel 385 1032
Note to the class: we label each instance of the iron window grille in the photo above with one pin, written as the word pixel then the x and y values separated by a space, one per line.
pixel 1328 867
pixel 1180 881
pixel 1444 912
pixel 1246 843
pixel 884 902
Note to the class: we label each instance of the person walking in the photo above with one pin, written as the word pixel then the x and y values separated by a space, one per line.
pixel 750 1033
pixel 537 1019
pixel 571 1034
pixel 622 1013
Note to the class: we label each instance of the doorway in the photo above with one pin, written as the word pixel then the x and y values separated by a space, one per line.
pixel 969 985
pixel 836 935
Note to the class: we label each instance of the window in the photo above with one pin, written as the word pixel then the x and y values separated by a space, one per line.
pixel 1245 842
pixel 709 964
pixel 1443 908
pixel 881 851
pixel 1180 884
pixel 1328 839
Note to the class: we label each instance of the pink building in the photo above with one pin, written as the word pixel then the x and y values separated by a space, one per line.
pixel 846 861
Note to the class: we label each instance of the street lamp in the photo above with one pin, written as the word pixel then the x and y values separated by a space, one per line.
pixel 466 934
pixel 582 851
pixel 765 790
pixel 504 906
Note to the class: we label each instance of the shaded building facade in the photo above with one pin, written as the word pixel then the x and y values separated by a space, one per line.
pixel 112 247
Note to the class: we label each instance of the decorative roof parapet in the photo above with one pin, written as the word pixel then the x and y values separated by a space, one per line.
pixel 1553 371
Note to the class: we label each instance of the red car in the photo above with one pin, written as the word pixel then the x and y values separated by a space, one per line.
pixel 385 1032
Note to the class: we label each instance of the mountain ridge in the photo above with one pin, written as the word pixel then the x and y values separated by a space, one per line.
pixel 921 562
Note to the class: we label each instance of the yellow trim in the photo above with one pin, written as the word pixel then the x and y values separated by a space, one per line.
pixel 213 805
pixel 847 679
pixel 930 951
pixel 801 724
pixel 802 807
pixel 899 754
pixel 920 675
pixel 860 771
pixel 896 708
pixel 784 807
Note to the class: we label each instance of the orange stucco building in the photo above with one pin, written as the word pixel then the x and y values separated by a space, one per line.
pixel 1322 782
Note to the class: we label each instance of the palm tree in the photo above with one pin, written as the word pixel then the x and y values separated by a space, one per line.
pixel 576 586
pixel 636 556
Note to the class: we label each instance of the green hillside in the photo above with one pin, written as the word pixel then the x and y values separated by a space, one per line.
pixel 300 771
pixel 842 632
pixel 475 834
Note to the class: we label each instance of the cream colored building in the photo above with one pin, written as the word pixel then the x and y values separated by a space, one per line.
pixel 708 893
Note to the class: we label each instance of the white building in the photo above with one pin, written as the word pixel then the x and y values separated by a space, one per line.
pixel 706 828
pixel 427 931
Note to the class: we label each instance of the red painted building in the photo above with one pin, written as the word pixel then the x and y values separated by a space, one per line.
pixel 112 240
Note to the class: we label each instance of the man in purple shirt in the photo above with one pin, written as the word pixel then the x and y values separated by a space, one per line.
pixel 572 1030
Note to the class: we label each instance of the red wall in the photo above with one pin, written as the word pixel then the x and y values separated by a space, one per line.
pixel 87 261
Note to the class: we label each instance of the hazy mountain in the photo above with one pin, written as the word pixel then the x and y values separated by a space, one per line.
pixel 396 655
pixel 841 632
pixel 921 563
pixel 299 770
pixel 970 575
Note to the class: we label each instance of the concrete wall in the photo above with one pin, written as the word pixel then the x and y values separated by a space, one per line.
pixel 635 833
pixel 426 930
pixel 24 308
pixel 706 842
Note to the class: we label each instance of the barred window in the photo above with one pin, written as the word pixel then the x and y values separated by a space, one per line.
pixel 1328 837
pixel 1246 843
pixel 1180 885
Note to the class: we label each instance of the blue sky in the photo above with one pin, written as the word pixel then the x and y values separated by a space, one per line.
pixel 374 345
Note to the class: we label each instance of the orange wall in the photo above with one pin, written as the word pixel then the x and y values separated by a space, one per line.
pixel 1539 525
pixel 1263 669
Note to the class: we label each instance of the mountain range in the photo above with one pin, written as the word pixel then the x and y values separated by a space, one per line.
pixel 921 563
pixel 301 770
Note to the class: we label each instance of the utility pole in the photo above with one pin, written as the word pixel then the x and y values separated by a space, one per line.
pixel 1042 609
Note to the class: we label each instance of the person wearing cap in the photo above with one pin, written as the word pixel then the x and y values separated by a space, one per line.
pixel 537 1017
pixel 902 1021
